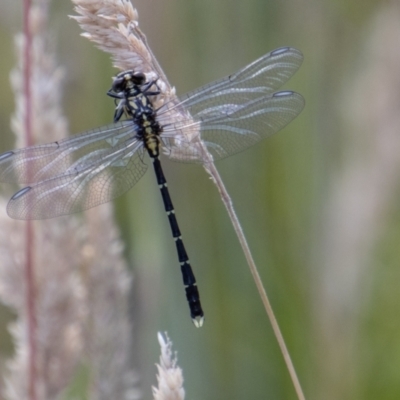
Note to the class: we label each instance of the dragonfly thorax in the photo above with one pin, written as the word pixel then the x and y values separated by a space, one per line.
pixel 141 110
pixel 133 100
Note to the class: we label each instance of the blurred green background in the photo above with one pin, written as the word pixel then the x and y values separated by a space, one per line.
pixel 318 202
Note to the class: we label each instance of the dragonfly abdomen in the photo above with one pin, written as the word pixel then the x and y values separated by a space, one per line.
pixel 189 281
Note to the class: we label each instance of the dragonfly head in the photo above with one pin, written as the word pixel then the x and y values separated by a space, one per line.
pixel 127 80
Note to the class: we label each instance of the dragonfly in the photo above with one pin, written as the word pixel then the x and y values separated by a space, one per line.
pixel 203 126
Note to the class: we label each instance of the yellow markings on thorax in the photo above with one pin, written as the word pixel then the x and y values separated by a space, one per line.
pixel 143 99
pixel 147 125
pixel 152 144
pixel 133 105
pixel 143 106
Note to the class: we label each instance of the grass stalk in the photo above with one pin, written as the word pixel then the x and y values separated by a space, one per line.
pixel 211 169
pixel 29 231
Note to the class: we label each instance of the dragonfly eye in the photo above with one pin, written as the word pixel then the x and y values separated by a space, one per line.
pixel 138 78
pixel 119 84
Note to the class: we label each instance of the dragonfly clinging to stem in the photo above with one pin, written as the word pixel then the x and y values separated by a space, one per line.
pixel 205 125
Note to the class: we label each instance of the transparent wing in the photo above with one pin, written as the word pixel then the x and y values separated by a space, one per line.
pixel 95 178
pixel 235 112
pixel 41 162
pixel 260 78
pixel 229 128
pixel 98 165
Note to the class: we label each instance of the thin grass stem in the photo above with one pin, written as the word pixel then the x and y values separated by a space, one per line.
pixel 29 231
pixel 211 169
